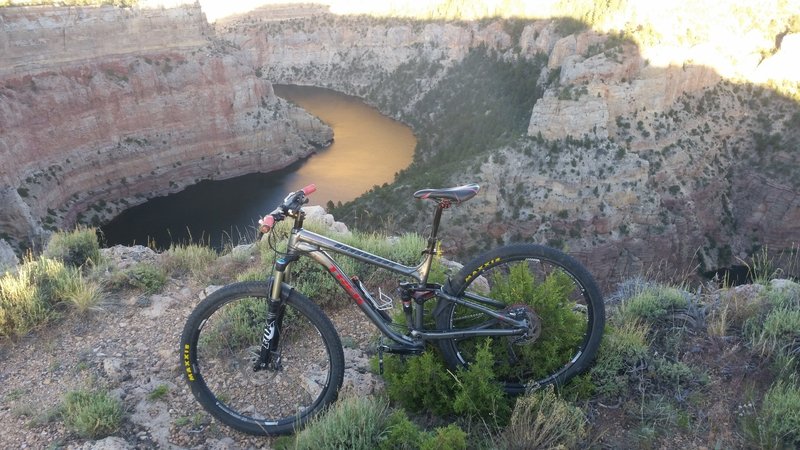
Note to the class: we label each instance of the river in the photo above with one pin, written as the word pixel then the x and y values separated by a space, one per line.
pixel 368 149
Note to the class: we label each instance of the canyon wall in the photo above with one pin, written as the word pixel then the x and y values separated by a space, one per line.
pixel 102 108
pixel 630 165
pixel 657 168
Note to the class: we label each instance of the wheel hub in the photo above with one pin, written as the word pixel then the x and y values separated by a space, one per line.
pixel 526 313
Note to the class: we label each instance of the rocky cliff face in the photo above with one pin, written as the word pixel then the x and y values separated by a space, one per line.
pixel 92 124
pixel 633 166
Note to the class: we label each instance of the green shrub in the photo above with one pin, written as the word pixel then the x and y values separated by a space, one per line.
pixel 451 437
pixel 550 300
pixel 91 414
pixel 147 277
pixel 401 433
pixel 352 423
pixel 777 424
pixel 420 382
pixel 76 248
pixel 479 394
pixel 621 351
pixel 543 420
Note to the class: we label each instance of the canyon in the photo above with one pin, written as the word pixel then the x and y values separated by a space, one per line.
pixel 633 167
pixel 102 108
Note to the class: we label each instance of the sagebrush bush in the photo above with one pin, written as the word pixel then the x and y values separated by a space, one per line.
pixel 653 304
pixel 91 414
pixel 147 277
pixel 543 420
pixel 621 351
pixel 76 248
pixel 353 423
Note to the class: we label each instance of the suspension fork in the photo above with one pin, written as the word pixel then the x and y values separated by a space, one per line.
pixel 269 356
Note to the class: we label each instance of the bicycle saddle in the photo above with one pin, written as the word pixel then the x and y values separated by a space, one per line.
pixel 455 194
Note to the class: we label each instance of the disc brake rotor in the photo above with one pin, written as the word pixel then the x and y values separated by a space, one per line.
pixel 525 312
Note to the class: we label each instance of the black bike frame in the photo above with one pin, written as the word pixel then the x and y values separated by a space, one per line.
pixel 306 243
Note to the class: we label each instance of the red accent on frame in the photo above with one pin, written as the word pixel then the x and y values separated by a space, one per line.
pixel 346 284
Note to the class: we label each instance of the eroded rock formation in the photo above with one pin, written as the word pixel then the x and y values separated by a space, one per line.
pixel 102 108
pixel 659 168
pixel 631 165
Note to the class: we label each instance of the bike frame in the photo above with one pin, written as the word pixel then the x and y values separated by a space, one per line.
pixel 317 247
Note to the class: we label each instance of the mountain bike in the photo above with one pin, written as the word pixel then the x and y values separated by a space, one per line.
pixel 263 358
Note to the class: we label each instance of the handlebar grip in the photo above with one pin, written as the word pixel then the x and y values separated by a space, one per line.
pixel 310 189
pixel 266 224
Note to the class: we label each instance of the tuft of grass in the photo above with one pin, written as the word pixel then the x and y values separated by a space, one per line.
pixel 774 330
pixel 77 248
pixel 34 294
pixel 190 259
pixel 735 309
pixel 84 295
pixel 159 392
pixel 779 333
pixel 543 420
pixel 91 414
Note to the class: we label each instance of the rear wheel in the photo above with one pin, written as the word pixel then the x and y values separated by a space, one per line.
pixel 221 340
pixel 554 293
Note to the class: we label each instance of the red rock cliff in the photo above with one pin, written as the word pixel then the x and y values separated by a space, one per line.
pixel 102 108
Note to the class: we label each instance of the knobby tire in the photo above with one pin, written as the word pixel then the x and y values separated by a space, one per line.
pixel 565 302
pixel 218 343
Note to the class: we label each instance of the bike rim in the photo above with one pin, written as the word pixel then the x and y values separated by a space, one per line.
pixel 564 313
pixel 225 346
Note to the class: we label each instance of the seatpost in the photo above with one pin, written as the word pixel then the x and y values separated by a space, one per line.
pixel 437 218
pixel 430 251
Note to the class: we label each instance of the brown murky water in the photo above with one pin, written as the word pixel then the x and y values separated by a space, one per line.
pixel 368 149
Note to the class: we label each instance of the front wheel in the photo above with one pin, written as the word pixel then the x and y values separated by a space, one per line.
pixel 221 341
pixel 550 290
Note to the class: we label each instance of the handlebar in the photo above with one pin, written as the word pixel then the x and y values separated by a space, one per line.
pixel 290 207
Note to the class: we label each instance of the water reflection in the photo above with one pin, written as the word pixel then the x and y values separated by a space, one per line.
pixel 368 149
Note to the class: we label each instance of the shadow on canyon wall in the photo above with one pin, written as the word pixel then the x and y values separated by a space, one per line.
pixel 577 140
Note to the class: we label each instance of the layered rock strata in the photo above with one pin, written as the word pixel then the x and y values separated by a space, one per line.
pixel 89 130
pixel 667 175
pixel 629 164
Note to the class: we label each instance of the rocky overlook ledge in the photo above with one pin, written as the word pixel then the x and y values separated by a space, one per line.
pixel 91 126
